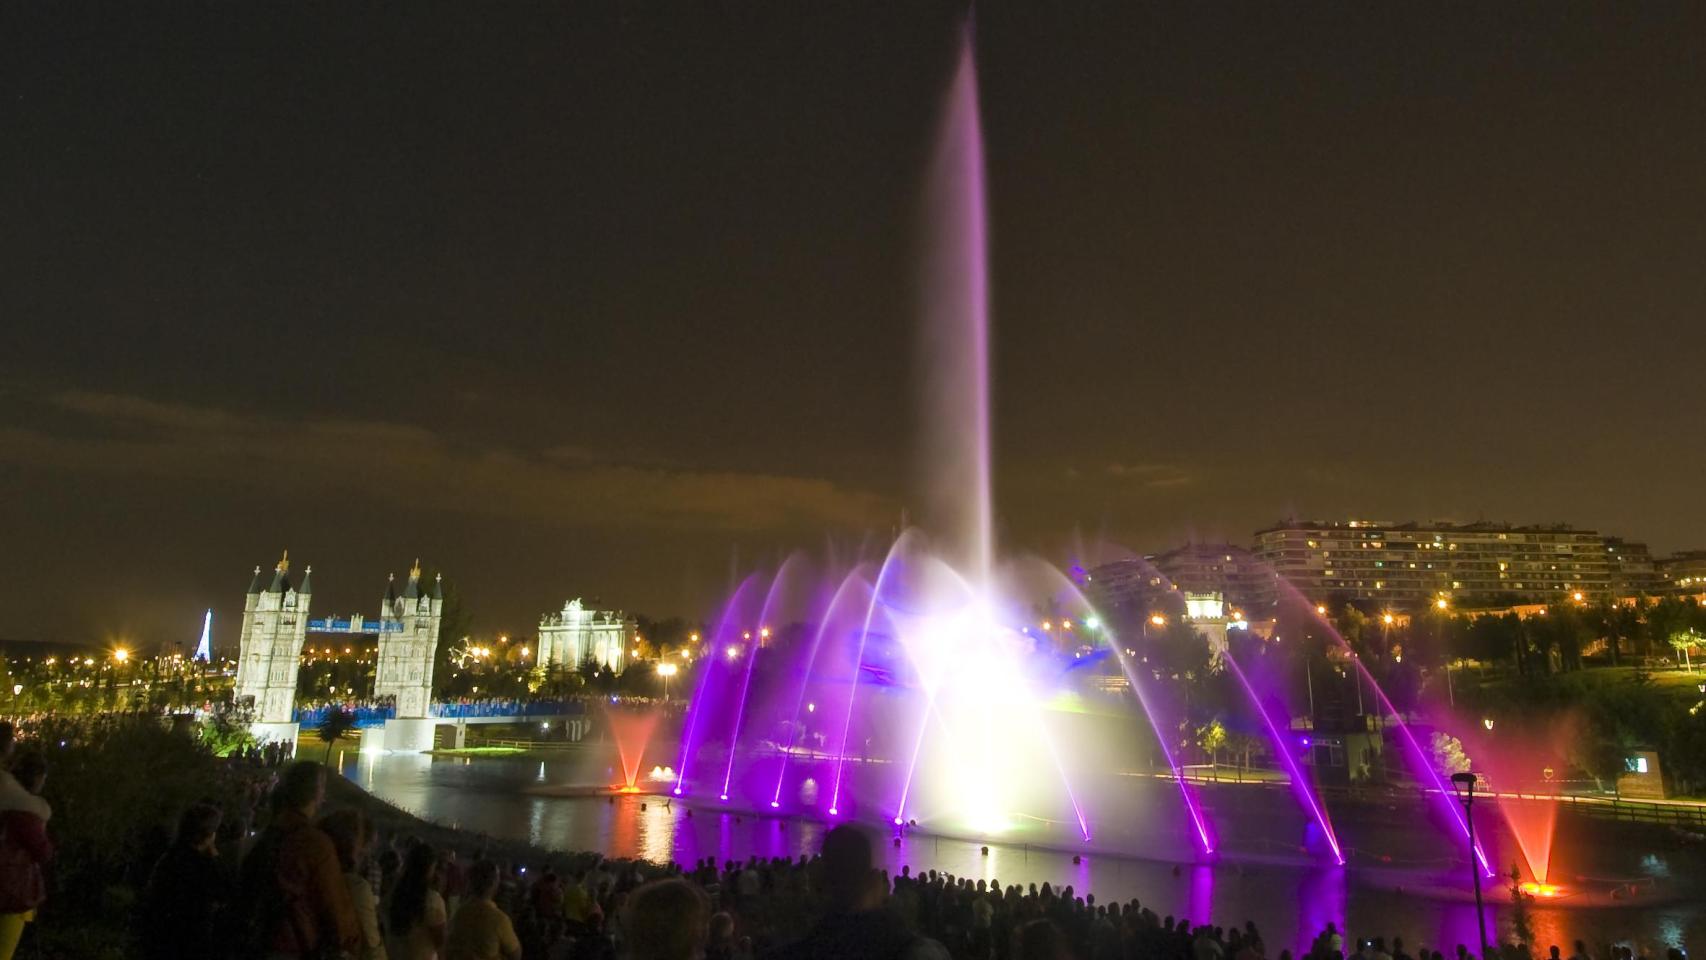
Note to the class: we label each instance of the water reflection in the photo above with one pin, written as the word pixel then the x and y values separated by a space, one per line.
pixel 1289 903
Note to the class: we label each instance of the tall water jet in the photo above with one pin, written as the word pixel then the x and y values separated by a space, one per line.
pixel 955 344
pixel 1421 763
pixel 704 696
pixel 1300 787
pixel 631 730
pixel 852 579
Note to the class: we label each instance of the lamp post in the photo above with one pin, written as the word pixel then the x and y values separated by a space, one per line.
pixel 666 670
pixel 1465 784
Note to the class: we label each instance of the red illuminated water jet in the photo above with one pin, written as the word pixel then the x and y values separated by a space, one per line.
pixel 632 730
pixel 1519 767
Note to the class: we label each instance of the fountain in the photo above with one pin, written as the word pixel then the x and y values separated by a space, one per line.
pixel 915 692
pixel 632 730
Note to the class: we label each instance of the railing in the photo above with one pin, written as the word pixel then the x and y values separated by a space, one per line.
pixel 1670 813
pixel 455 710
pixel 372 714
pixel 365 715
pixel 522 744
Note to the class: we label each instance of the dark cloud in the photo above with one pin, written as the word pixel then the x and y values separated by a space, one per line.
pixel 179 442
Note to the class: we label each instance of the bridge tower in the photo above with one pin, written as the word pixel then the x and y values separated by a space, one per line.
pixel 269 649
pixel 408 639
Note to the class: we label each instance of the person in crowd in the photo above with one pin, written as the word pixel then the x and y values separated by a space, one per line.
pixel 452 879
pixel 351 836
pixel 721 944
pixel 24 846
pixel 13 795
pixel 187 890
pixel 416 919
pixel 666 920
pixel 581 912
pixel 479 930
pixel 1042 940
pixel 854 925
pixel 294 899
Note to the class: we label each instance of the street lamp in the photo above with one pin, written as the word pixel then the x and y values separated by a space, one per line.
pixel 121 655
pixel 666 670
pixel 1464 783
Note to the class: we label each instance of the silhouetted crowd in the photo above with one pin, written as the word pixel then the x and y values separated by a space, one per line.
pixel 312 884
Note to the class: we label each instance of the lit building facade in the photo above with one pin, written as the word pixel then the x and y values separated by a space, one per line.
pixel 577 633
pixel 1683 574
pixel 1413 564
pixel 1157 583
pixel 407 640
pixel 269 649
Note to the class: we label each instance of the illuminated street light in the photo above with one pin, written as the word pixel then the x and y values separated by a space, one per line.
pixel 1577 596
pixel 693 637
pixel 1387 619
pixel 1440 603
pixel 1464 784
pixel 121 654
pixel 666 670
pixel 1092 623
pixel 733 651
pixel 1048 625
pixel 1321 609
pixel 763 633
pixel 1158 619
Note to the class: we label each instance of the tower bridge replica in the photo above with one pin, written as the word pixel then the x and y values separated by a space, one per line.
pixel 276 622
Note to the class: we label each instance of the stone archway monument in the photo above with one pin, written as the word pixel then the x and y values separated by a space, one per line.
pixel 408 639
pixel 275 621
pixel 269 657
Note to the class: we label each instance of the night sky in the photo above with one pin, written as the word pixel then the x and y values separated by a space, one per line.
pixel 609 300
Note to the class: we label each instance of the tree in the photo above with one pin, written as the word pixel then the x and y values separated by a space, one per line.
pixel 1491 639
pixel 454 626
pixel 1211 738
pixel 1669 617
pixel 588 670
pixel 1352 625
pixel 1241 745
pixel 1448 755
pixel 1684 641
pixel 337 725
pixel 226 732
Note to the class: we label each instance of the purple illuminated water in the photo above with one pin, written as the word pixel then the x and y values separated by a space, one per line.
pixel 939 705
pixel 955 456
pixel 1288 902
